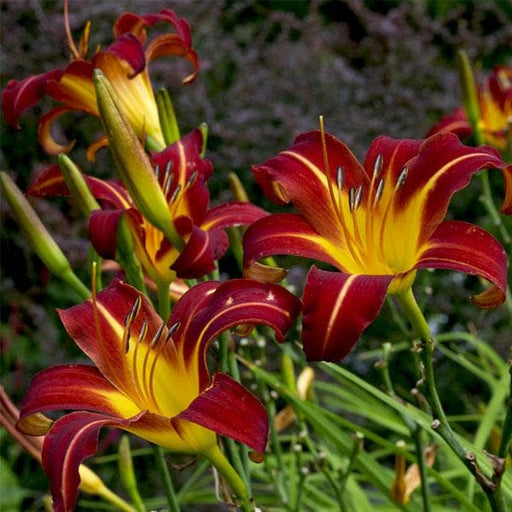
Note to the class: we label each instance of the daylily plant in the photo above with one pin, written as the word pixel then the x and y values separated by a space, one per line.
pixel 376 223
pixel 495 108
pixel 124 63
pixel 151 378
pixel 182 174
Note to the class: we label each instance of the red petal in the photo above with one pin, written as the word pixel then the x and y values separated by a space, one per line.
pixel 73 387
pixel 467 248
pixel 199 254
pixel 298 175
pixel 443 166
pixel 19 96
pixel 103 232
pixel 210 308
pixel 72 439
pixel 128 48
pixel 286 234
pixel 50 182
pixel 232 214
pixel 456 122
pixel 337 308
pixel 172 44
pixel 230 410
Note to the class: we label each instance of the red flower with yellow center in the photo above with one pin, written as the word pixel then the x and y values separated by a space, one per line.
pixel 495 105
pixel 151 378
pixel 377 223
pixel 182 174
pixel 124 63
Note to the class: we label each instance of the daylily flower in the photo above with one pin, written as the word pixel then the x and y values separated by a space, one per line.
pixel 376 223
pixel 124 63
pixel 495 106
pixel 182 174
pixel 151 378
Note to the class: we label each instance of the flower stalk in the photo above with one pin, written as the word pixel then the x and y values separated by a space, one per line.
pixel 440 423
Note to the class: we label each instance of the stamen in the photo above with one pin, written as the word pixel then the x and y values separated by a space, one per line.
pixel 172 330
pixel 380 189
pixel 157 172
pixel 168 167
pixel 402 177
pixel 358 197
pixel 377 166
pixel 176 193
pixel 192 179
pixel 132 314
pixel 126 339
pixel 71 43
pixel 156 337
pixel 167 184
pixel 143 332
pixel 355 195
pixel 340 177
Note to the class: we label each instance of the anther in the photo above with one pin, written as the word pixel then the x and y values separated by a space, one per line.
pixel 192 179
pixel 174 327
pixel 126 339
pixel 130 317
pixel 377 166
pixel 168 167
pixel 167 184
pixel 340 177
pixel 157 172
pixel 402 177
pixel 156 337
pixel 358 197
pixel 175 194
pixel 143 332
pixel 380 188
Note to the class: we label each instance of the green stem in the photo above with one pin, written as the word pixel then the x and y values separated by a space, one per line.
pixel 417 435
pixel 218 459
pixel 440 423
pixel 506 435
pixel 164 300
pixel 163 469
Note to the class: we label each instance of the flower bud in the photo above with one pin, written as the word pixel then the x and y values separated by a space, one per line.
pixel 133 163
pixel 42 242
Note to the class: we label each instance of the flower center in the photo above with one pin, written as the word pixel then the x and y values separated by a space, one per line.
pixel 373 242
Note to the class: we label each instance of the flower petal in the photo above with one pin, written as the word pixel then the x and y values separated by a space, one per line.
pixel 72 439
pixel 456 122
pixel 199 254
pixel 442 167
pixel 18 96
pixel 337 308
pixel 288 234
pixel 128 48
pixel 230 410
pixel 50 182
pixel 232 214
pixel 299 175
pixel 73 387
pixel 103 231
pixel 44 135
pixel 467 248
pixel 210 308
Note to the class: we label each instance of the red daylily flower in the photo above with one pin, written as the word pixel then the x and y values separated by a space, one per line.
pixel 495 105
pixel 150 378
pixel 182 173
pixel 377 223
pixel 124 63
